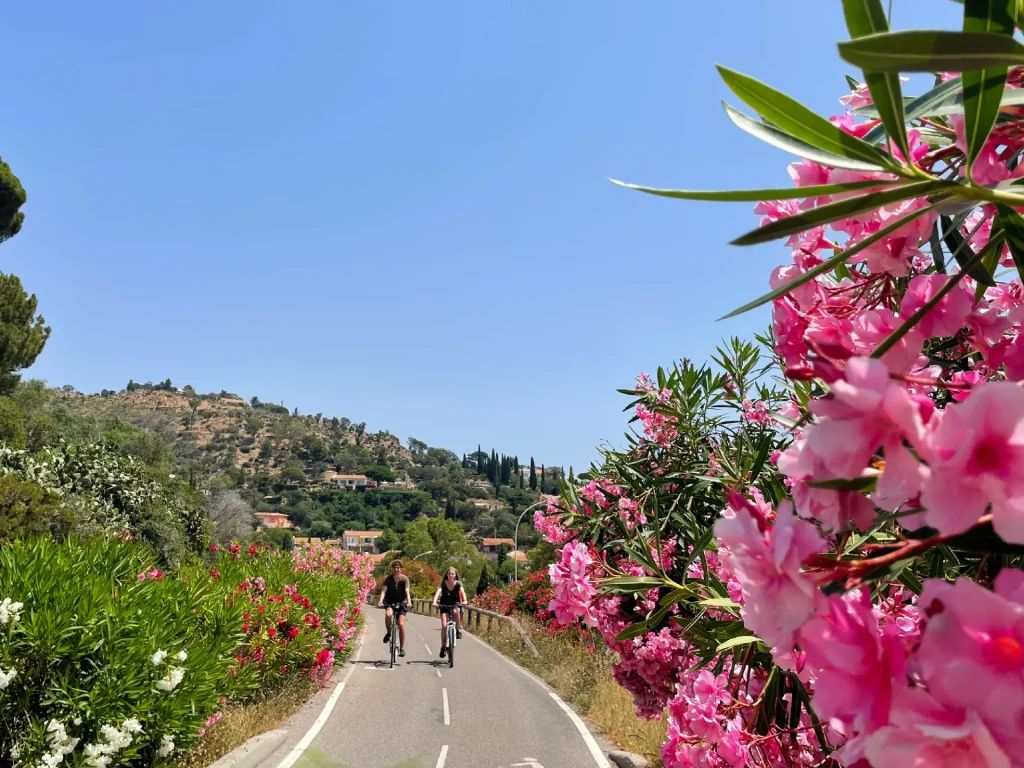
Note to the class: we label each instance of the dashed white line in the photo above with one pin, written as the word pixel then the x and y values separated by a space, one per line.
pixel 442 757
pixel 447 716
pixel 428 649
pixel 438 672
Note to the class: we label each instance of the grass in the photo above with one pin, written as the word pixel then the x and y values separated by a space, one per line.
pixel 585 680
pixel 241 723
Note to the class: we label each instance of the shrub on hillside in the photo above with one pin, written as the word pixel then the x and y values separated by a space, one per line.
pixel 422 578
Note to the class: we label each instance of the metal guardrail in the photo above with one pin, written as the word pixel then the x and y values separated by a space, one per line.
pixel 473 617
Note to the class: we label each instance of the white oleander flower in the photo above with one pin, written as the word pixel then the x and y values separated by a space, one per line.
pixel 166 746
pixel 10 611
pixel 158 658
pixel 131 725
pixel 171 680
pixel 6 677
pixel 181 656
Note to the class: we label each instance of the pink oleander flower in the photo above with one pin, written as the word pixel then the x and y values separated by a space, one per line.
pixel 766 560
pixel 855 665
pixel 945 318
pixel 976 458
pixel 924 734
pixel 971 655
pixel 573 589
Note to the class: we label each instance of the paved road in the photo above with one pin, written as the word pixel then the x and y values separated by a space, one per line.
pixel 483 713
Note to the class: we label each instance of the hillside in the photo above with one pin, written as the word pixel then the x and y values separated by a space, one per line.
pixel 280 461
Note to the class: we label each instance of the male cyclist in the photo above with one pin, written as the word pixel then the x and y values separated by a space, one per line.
pixel 448 597
pixel 396 591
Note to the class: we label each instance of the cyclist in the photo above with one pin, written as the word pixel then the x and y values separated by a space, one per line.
pixel 396 592
pixel 448 597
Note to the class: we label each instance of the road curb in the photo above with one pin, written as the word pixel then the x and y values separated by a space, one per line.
pixel 254 751
pixel 627 760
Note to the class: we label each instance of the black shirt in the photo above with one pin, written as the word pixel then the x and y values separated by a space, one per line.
pixel 449 596
pixel 396 592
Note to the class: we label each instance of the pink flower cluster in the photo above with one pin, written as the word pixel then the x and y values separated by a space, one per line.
pixel 573 588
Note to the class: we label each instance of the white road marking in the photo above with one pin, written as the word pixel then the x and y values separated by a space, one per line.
pixel 428 649
pixel 314 729
pixel 588 738
pixel 438 672
pixel 442 757
pixel 447 716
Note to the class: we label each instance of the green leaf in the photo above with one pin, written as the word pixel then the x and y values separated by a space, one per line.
pixel 792 117
pixel 841 209
pixel 742 640
pixel 960 249
pixel 983 89
pixel 891 340
pixel 867 17
pixel 782 140
pixel 921 106
pixel 628 584
pixel 755 195
pixel 1011 224
pixel 829 264
pixel 676 596
pixel 932 51
pixel 719 602
pixel 955 104
pixel 863 484
pixel 989 263
pixel 633 630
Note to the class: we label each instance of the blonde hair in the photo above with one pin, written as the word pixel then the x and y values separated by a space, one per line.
pixel 452 568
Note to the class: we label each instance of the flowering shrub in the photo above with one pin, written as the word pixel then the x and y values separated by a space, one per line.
pixel 107 660
pixel 833 575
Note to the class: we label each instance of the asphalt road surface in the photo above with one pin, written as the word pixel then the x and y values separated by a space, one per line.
pixel 483 713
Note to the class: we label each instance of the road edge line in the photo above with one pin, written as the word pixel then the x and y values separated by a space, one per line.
pixel 325 713
pixel 588 739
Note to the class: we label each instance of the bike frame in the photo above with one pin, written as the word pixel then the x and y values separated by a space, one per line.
pixel 394 630
pixel 450 627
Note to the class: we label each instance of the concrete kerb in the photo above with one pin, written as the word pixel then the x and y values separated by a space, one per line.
pixel 254 751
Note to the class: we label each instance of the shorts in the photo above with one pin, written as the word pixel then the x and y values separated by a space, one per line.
pixel 447 609
pixel 401 610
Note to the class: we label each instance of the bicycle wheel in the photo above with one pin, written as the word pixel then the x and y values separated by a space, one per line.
pixel 394 642
pixel 451 644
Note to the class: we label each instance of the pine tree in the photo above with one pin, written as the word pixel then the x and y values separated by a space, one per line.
pixel 533 475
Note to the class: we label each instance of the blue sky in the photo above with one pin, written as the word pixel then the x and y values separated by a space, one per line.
pixel 397 212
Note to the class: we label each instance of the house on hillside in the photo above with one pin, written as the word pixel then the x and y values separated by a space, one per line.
pixel 364 542
pixel 491 547
pixel 274 520
pixel 489 504
pixel 475 482
pixel 348 482
pixel 304 542
pixel 517 555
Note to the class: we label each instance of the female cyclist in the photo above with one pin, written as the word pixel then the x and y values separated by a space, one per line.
pixel 448 597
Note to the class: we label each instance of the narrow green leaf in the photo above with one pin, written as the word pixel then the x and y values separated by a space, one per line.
pixel 954 105
pixel 863 484
pixel 841 209
pixel 983 89
pixel 742 640
pixel 794 118
pixel 633 630
pixel 890 341
pixel 853 82
pixel 960 249
pixel 989 263
pixel 936 247
pixel 829 264
pixel 754 195
pixel 932 51
pixel 676 596
pixel 782 140
pixel 922 106
pixel 627 584
pixel 719 602
pixel 1011 224
pixel 867 17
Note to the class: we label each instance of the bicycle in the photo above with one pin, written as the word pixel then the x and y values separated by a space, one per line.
pixel 395 630
pixel 451 628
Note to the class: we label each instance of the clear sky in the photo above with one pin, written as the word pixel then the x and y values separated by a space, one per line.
pixel 397 212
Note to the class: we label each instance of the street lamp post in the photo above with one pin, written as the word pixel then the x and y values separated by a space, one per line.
pixel 515 565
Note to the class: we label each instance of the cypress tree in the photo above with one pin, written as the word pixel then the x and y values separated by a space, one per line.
pixel 543 478
pixel 479 460
pixel 449 508
pixel 533 475
pixel 522 481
